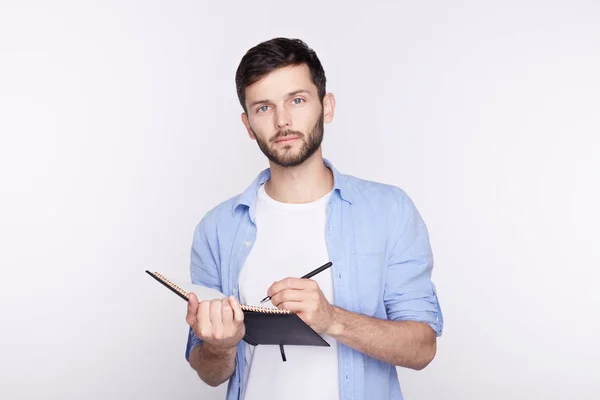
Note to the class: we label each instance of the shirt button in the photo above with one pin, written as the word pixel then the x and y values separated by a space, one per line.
pixel 234 291
pixel 247 243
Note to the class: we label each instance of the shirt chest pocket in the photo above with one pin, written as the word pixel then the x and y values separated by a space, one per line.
pixel 370 278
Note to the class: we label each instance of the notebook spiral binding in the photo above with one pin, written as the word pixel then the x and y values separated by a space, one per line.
pixel 245 307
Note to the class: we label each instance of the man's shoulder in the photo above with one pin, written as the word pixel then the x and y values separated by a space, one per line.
pixel 375 193
pixel 218 215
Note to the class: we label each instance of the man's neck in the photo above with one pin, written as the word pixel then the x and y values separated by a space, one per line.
pixel 302 184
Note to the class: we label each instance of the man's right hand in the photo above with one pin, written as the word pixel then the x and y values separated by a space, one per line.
pixel 219 323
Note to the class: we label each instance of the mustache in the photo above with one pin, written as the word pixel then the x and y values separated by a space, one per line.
pixel 282 134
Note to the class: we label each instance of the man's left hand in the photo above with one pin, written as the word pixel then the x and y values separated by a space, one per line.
pixel 305 298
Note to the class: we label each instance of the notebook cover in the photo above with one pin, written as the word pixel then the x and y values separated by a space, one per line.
pixel 284 329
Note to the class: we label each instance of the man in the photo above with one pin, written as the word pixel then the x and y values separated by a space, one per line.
pixel 376 306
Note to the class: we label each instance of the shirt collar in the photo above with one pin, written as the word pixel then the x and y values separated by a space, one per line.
pixel 248 197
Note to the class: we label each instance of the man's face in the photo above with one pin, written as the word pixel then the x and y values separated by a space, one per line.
pixel 285 116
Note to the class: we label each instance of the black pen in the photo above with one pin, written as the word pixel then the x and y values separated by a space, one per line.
pixel 307 276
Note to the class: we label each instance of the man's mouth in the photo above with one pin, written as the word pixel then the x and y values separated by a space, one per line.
pixel 286 139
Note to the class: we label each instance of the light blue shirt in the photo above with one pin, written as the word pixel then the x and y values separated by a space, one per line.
pixel 382 264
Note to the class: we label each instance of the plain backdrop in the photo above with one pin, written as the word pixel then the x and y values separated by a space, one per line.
pixel 120 128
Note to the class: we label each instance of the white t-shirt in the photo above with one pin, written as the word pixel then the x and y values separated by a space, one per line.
pixel 290 242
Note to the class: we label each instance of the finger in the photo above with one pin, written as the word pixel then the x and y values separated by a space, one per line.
pixel 238 313
pixel 215 316
pixel 226 313
pixel 290 295
pixel 290 283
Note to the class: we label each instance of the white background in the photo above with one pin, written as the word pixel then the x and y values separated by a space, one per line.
pixel 120 128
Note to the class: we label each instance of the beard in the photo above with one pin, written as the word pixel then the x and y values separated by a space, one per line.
pixel 286 159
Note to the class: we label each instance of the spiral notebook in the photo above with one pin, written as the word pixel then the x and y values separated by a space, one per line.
pixel 264 325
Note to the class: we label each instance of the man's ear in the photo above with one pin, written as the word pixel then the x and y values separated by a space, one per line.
pixel 247 125
pixel 328 107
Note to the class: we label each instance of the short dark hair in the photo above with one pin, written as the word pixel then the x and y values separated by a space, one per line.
pixel 276 53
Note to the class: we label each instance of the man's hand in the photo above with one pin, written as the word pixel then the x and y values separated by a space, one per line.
pixel 305 298
pixel 219 323
pixel 409 344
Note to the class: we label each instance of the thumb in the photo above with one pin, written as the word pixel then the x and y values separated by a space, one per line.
pixel 192 309
pixel 238 313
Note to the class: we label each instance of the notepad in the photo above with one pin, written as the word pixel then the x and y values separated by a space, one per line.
pixel 264 325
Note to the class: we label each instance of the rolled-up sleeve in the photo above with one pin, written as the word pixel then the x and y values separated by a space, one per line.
pixel 203 270
pixel 409 291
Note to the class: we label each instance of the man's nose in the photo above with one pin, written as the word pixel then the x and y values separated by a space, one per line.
pixel 283 119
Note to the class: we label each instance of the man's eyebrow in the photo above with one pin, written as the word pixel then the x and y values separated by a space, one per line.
pixel 295 92
pixel 254 103
pixel 290 94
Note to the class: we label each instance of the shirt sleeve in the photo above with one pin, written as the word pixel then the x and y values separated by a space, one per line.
pixel 409 291
pixel 203 270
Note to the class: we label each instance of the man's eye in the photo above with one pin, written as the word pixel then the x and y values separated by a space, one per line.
pixel 262 109
pixel 298 101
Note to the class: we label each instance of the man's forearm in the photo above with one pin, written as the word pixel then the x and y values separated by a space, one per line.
pixel 407 344
pixel 213 367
